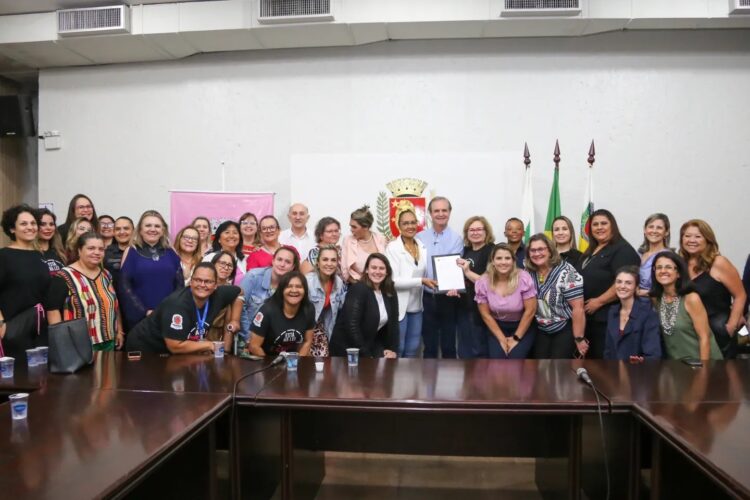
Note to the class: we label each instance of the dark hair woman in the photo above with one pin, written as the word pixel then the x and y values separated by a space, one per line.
pixel 228 238
pixel 506 298
pixel 180 324
pixel 633 326
pixel 717 282
pixel 48 240
pixel 150 269
pixel 226 267
pixel 80 206
pixel 107 229
pixel 123 237
pixel 269 243
pixel 84 290
pixel 560 318
pixel 684 322
pixel 24 279
pixel 369 318
pixel 285 322
pixel 327 232
pixel 607 253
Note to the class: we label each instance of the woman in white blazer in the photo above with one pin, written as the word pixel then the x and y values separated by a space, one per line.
pixel 408 259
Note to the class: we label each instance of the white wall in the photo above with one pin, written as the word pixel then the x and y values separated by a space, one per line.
pixel 668 110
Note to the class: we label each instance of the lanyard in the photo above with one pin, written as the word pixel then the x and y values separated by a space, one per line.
pixel 201 326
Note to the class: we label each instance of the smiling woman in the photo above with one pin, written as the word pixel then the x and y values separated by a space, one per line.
pixel 181 323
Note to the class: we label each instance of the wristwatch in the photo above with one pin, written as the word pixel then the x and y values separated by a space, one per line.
pixel 579 339
pixel 516 338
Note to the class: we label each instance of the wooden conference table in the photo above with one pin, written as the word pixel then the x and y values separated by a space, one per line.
pixel 148 427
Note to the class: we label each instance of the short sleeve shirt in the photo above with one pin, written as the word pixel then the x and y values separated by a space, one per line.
pixel 562 285
pixel 508 308
pixel 281 334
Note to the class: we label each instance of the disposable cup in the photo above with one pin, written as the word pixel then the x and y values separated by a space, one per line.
pixel 218 349
pixel 19 405
pixel 291 361
pixel 352 356
pixel 6 367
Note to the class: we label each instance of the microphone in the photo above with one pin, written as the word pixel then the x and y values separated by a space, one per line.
pixel 584 375
pixel 278 360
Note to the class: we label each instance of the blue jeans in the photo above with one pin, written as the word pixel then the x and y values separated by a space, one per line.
pixel 410 335
pixel 520 351
pixel 439 325
pixel 472 334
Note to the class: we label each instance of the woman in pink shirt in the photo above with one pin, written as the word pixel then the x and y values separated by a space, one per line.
pixel 359 245
pixel 506 297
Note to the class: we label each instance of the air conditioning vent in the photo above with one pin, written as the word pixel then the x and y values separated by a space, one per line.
pixel 542 8
pixel 93 21
pixel 294 11
pixel 739 6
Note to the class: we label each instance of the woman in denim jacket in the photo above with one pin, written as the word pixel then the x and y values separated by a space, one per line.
pixel 327 292
pixel 258 285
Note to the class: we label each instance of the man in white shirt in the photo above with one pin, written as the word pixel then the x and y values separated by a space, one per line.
pixel 297 235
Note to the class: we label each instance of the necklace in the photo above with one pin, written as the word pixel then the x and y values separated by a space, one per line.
pixel 668 314
pixel 365 242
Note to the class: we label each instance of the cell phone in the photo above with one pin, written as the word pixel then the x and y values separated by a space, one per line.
pixel 695 363
pixel 134 355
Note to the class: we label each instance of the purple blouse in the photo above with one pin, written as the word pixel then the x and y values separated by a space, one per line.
pixel 508 308
pixel 145 282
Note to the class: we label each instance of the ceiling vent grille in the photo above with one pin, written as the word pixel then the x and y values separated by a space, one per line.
pixel 93 21
pixel 294 11
pixel 542 8
pixel 739 6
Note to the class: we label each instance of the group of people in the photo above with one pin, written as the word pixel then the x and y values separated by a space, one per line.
pixel 264 291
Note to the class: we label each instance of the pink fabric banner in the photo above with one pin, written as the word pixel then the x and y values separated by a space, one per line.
pixel 184 206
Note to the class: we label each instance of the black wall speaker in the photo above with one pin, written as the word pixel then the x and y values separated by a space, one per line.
pixel 16 117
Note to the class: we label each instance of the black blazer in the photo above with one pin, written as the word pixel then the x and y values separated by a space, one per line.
pixel 357 324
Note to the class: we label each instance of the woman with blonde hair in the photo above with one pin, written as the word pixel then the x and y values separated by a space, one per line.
pixel 507 302
pixel 187 246
pixel 717 282
pixel 203 225
pixel 564 239
pixel 359 245
pixel 478 242
pixel 150 269
pixel 76 228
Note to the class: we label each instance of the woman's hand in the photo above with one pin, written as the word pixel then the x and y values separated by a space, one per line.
pixel 583 347
pixel 232 327
pixel 592 305
pixel 2 329
pixel 429 283
pixel 119 340
pixel 389 354
pixel 511 343
pixel 463 264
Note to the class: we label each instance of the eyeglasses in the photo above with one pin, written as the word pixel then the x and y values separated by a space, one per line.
pixel 225 265
pixel 199 281
pixel 192 239
pixel 537 250
pixel 268 229
pixel 107 225
pixel 248 223
pixel 665 268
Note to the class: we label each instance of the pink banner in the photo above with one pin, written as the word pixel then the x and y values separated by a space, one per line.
pixel 217 207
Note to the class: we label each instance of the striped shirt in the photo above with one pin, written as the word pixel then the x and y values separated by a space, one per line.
pixel 94 300
pixel 562 285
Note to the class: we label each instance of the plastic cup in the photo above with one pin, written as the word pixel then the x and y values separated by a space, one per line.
pixel 6 367
pixel 19 405
pixel 352 356
pixel 319 366
pixel 292 358
pixel 42 355
pixel 32 357
pixel 218 349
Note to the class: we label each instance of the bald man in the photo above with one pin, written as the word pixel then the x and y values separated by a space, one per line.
pixel 297 235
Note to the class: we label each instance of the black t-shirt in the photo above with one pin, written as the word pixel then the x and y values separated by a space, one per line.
pixel 24 278
pixel 53 261
pixel 478 264
pixel 572 257
pixel 113 260
pixel 282 334
pixel 599 270
pixel 176 318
